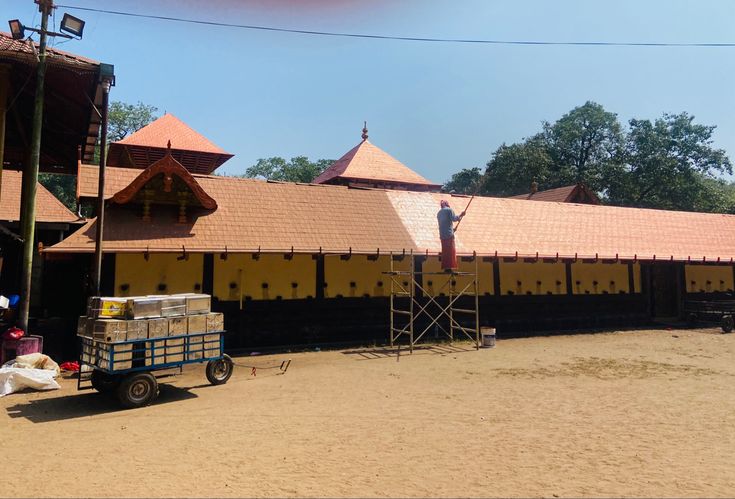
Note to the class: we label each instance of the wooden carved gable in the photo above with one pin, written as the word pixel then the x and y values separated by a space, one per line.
pixel 166 182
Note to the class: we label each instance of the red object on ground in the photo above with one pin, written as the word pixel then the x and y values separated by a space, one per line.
pixel 13 333
pixel 69 366
pixel 449 254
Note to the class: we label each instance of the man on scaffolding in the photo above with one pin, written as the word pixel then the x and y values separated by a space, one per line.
pixel 446 218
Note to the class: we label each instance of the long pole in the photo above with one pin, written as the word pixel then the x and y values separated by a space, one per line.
pixel 30 175
pixel 101 192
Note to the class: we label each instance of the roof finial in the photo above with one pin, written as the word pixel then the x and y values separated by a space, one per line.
pixel 364 131
pixel 169 145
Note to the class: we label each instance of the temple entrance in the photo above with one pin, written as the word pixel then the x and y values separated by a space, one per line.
pixel 664 290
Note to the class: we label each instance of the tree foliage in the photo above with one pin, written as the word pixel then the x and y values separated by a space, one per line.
pixel 125 119
pixel 297 169
pixel 465 181
pixel 669 163
pixel 62 186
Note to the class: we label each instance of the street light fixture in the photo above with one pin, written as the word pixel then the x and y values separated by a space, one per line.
pixel 72 25
pixel 16 29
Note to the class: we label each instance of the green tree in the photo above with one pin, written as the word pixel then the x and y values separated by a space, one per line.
pixel 671 164
pixel 62 186
pixel 466 181
pixel 298 169
pixel 583 145
pixel 125 119
pixel 513 167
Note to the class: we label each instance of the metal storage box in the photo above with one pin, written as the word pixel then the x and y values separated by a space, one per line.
pixel 197 303
pixel 109 330
pixel 172 306
pixel 106 307
pixel 144 307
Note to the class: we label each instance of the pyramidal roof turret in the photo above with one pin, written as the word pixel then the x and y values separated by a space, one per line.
pixel 366 165
pixel 149 144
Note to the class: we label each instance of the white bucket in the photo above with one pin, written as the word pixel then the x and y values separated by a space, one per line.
pixel 487 337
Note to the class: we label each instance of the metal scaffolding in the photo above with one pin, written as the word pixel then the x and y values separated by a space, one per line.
pixel 410 301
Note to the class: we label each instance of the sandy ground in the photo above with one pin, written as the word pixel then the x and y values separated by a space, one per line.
pixel 644 413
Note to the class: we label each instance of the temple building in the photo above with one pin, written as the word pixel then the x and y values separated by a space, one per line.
pixel 293 263
pixel 577 193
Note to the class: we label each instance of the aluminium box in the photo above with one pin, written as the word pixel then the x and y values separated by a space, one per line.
pixel 196 303
pixel 106 307
pixel 144 307
pixel 172 306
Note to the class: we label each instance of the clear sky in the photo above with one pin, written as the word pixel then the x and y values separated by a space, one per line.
pixel 436 107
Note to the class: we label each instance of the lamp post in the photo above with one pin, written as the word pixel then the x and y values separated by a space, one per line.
pixel 30 172
pixel 108 79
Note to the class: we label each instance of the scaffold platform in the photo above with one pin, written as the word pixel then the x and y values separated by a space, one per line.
pixel 414 310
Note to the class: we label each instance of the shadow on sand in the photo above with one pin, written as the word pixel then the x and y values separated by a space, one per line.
pixel 399 351
pixel 85 404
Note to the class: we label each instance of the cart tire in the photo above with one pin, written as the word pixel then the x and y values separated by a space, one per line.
pixel 220 370
pixel 137 390
pixel 727 323
pixel 103 382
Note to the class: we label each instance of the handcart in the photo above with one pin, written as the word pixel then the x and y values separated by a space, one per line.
pixel 718 311
pixel 129 369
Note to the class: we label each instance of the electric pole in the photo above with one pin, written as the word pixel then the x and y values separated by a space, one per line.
pixel 30 174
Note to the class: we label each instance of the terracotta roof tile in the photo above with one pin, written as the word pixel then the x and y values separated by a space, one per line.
pixel 254 214
pixel 169 127
pixel 560 194
pixel 368 162
pixel 48 207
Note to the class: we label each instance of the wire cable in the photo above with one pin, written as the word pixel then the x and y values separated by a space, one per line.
pixel 400 38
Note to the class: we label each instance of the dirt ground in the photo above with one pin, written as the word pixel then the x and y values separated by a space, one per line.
pixel 644 413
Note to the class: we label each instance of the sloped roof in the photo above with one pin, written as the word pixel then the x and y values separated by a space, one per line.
pixel 116 179
pixel 48 207
pixel 563 194
pixel 274 217
pixel 196 152
pixel 366 162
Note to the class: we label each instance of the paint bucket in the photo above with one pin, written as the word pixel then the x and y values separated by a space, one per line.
pixel 487 335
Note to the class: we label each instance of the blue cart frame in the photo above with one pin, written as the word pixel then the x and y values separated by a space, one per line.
pixel 130 368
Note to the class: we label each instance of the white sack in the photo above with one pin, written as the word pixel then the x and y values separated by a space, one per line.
pixel 34 361
pixel 13 379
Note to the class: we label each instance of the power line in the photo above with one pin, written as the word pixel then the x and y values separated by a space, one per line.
pixel 399 38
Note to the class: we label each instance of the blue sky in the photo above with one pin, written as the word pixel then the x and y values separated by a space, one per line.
pixel 436 107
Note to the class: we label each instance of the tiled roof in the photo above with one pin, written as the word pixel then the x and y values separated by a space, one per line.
pixel 48 207
pixel 116 179
pixel 169 127
pixel 274 217
pixel 21 50
pixel 149 144
pixel 565 194
pixel 370 163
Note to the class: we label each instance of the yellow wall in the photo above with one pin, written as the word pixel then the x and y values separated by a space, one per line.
pixel 611 278
pixel 366 274
pixel 439 283
pixel 708 278
pixel 272 269
pixel 143 276
pixel 539 278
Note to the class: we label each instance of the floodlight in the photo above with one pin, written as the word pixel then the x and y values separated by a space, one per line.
pixel 72 25
pixel 16 29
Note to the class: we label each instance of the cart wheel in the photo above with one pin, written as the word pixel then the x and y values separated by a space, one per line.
pixel 219 371
pixel 137 390
pixel 103 382
pixel 727 323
